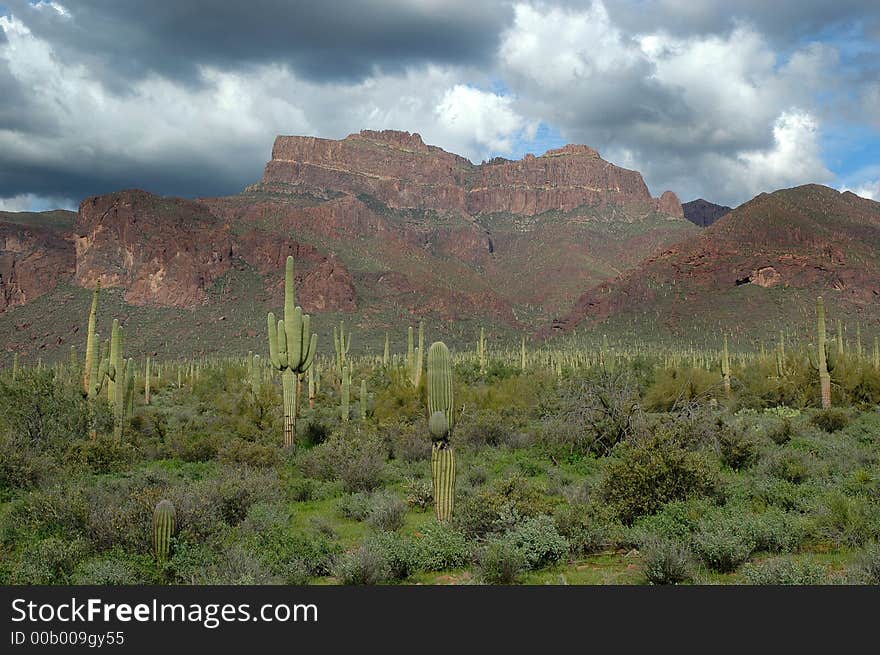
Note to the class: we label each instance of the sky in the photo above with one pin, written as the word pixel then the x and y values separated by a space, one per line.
pixel 719 99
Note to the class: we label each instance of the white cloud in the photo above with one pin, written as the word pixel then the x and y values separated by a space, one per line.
pixel 485 121
pixel 29 202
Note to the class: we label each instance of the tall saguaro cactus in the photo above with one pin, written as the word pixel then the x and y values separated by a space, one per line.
pixel 341 345
pixel 346 394
pixel 91 341
pixel 481 350
pixel 291 350
pixel 164 524
pixel 824 358
pixel 441 420
pixel 147 382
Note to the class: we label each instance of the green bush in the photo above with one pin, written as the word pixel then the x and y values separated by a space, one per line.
pixel 539 542
pixel 103 454
pixel 500 507
pixel 400 553
pixel 783 571
pixel 830 420
pixel 441 547
pixel 108 571
pixel 365 565
pixel 646 474
pixel 587 528
pixel 867 566
pixel 501 562
pixel 355 457
pixel 724 542
pixel 666 561
pixel 387 512
pixel 49 562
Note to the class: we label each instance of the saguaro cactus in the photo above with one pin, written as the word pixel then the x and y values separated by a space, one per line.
pixel 415 356
pixel 522 355
pixel 291 350
pixel 91 342
pixel 441 420
pixel 164 524
pixel 725 368
pixel 346 394
pixel 824 358
pixel 363 400
pixel 341 345
pixel 481 350
pixel 386 354
pixel 147 382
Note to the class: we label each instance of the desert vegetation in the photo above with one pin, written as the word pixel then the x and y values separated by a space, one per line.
pixel 601 462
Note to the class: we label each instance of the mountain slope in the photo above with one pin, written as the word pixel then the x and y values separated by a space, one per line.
pixel 757 268
pixel 702 212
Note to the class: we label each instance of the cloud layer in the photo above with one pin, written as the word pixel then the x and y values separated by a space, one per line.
pixel 709 98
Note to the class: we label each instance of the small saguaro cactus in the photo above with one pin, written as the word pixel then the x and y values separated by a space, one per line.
pixel 386 354
pixel 363 400
pixel 481 350
pixel 341 345
pixel 345 409
pixel 876 353
pixel 291 350
pixel 313 389
pixel 415 356
pixel 522 355
pixel 780 355
pixel 147 382
pixel 823 358
pixel 725 368
pixel 441 420
pixel 14 366
pixel 91 342
pixel 164 524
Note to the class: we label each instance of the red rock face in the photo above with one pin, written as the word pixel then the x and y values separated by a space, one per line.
pixel 33 261
pixel 168 251
pixel 401 171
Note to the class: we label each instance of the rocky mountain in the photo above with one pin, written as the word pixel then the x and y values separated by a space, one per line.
pixel 702 212
pixel 759 267
pixel 381 224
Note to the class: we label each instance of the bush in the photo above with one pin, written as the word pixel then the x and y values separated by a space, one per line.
pixel 49 562
pixel 107 571
pixel 843 520
pixel 419 493
pixel 782 571
pixel 676 387
pixel 738 451
pixel 830 420
pixel 103 454
pixel 867 566
pixel 441 547
pixel 355 507
pixel 399 553
pixel 239 451
pixel 539 542
pixel 723 542
pixel 666 561
pixel 365 565
pixel 501 562
pixel 357 458
pixel 587 528
pixel 387 513
pixel 500 507
pixel 648 473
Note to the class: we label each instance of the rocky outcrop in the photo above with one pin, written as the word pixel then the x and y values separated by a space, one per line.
pixel 33 261
pixel 168 252
pixel 401 171
pixel 704 213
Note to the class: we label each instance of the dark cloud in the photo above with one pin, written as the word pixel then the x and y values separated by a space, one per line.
pixel 319 39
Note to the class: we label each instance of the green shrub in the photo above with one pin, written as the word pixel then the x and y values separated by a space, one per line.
pixel 103 454
pixel 441 547
pixel 675 387
pixel 830 420
pixel 419 493
pixel 387 512
pixel 867 566
pixel 249 453
pixel 500 507
pixel 783 571
pixel 843 520
pixel 646 474
pixel 724 542
pixel 355 507
pixel 108 571
pixel 587 528
pixel 365 565
pixel 501 562
pixel 357 458
pixel 49 562
pixel 539 542
pixel 400 553
pixel 666 561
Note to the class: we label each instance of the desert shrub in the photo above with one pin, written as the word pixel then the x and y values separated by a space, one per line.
pixel 193 446
pixel 57 511
pixel 476 475
pixel 647 473
pixel 781 431
pixel 249 453
pixel 500 562
pixel 676 522
pixel 593 415
pixel 777 531
pixel 357 458
pixel 866 569
pixel 314 433
pixel 387 512
pixel 675 387
pixel 539 542
pixel 108 571
pixel 21 466
pixel 237 564
pixel 301 490
pixel 666 561
pixel 500 507
pixel 483 428
pixel 355 506
pixel 410 442
pixel 795 466
pixel 49 561
pixel 830 420
pixel 724 542
pixel 441 547
pixel 845 520
pixel 400 553
pixel 287 553
pixel 738 450
pixel 103 454
pixel 398 400
pixel 366 565
pixel 588 528
pixel 419 493
pixel 783 571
